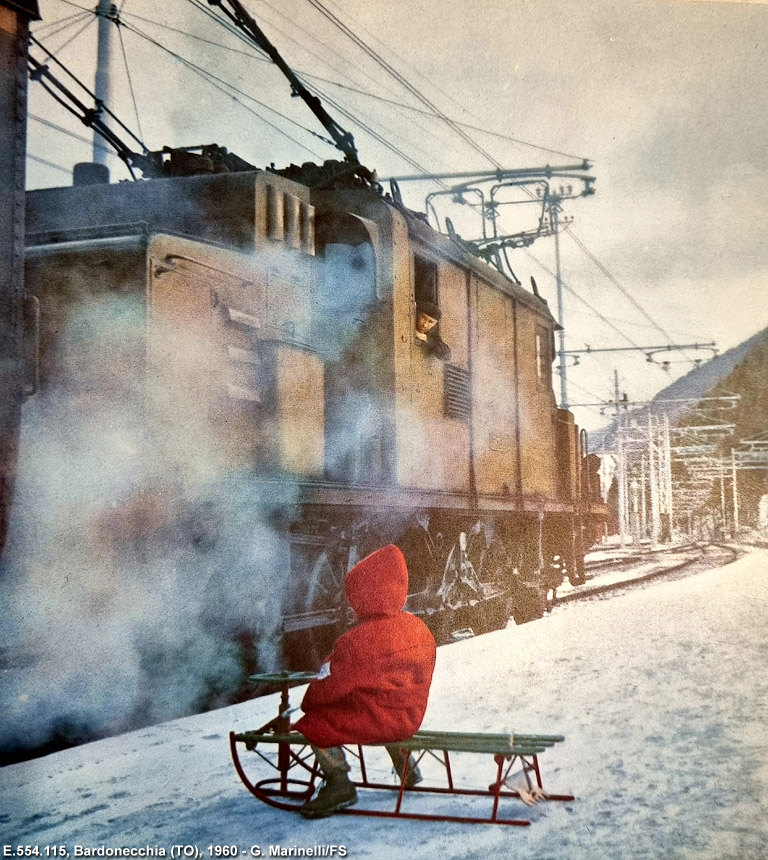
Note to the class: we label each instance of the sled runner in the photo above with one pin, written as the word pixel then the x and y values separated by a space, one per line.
pixel 293 773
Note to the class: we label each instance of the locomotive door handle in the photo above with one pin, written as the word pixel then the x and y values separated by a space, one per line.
pixel 31 344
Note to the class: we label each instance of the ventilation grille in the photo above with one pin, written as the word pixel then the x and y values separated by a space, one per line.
pixel 290 220
pixel 457 398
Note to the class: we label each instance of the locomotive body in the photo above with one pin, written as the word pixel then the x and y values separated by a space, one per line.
pixel 236 364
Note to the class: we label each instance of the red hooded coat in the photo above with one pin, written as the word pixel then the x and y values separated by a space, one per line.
pixel 374 686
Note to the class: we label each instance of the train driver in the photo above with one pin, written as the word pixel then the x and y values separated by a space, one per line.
pixel 427 317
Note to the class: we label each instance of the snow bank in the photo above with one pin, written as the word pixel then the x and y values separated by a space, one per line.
pixel 662 694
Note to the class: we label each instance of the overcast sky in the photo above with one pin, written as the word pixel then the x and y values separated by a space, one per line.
pixel 665 97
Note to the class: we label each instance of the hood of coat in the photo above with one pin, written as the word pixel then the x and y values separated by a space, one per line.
pixel 378 585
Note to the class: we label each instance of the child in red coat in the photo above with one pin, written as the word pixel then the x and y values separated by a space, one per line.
pixel 373 689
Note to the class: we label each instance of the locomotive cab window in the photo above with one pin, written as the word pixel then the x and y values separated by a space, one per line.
pixel 543 358
pixel 425 293
pixel 427 323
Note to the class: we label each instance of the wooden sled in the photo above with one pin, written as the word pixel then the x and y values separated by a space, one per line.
pixel 293 773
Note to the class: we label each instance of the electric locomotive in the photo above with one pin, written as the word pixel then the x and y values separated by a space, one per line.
pixel 241 381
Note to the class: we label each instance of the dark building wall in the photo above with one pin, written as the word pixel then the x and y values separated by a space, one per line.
pixel 14 34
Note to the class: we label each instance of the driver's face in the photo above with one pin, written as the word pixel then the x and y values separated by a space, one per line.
pixel 424 322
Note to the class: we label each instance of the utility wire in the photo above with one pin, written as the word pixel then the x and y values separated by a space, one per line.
pixel 92 95
pixel 400 78
pixel 54 28
pixel 69 133
pixel 343 70
pixel 309 76
pixel 225 87
pixel 47 163
pixel 130 81
pixel 72 38
pixel 612 278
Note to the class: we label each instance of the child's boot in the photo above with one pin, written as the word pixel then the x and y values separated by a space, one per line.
pixel 337 791
pixel 413 777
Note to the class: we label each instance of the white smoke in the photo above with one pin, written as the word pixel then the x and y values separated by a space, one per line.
pixel 140 569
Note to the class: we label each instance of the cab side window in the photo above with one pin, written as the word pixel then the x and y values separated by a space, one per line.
pixel 427 323
pixel 425 282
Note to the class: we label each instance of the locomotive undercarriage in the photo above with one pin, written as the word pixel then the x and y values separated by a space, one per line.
pixel 469 572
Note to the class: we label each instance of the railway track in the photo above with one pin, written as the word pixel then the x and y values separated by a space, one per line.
pixel 608 576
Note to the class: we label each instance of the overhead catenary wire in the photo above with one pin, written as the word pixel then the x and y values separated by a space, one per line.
pixel 576 295
pixel 130 81
pixel 590 407
pixel 403 81
pixel 634 324
pixel 448 95
pixel 228 89
pixel 400 78
pixel 68 132
pixel 354 117
pixel 73 37
pixel 357 90
pixel 377 136
pixel 222 22
pixel 375 55
pixel 380 138
pixel 92 95
pixel 242 52
pixel 212 79
pixel 429 113
pixel 55 28
pixel 78 6
pixel 47 163
pixel 343 69
pixel 612 278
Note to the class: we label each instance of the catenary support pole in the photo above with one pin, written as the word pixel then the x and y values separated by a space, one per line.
pixel 735 493
pixel 654 483
pixel 102 80
pixel 563 358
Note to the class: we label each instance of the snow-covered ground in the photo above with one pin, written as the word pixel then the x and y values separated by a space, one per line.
pixel 662 694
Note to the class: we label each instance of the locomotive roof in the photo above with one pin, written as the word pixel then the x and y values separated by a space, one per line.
pixel 344 177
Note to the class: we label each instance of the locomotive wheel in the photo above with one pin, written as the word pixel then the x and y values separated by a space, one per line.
pixel 325 589
pixel 493 565
pixel 325 594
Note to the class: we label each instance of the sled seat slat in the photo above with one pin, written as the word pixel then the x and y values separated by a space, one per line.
pixel 476 742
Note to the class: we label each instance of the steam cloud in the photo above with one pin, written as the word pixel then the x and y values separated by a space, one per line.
pixel 137 561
